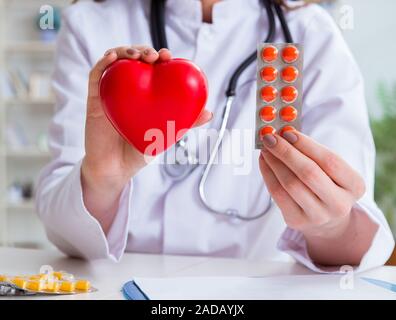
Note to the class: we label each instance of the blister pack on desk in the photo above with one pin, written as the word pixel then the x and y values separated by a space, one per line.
pixel 279 89
pixel 56 283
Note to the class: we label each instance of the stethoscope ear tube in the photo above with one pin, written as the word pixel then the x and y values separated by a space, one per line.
pixel 157 24
pixel 231 89
pixel 283 22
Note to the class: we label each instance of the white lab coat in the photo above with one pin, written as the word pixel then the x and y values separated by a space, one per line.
pixel 159 215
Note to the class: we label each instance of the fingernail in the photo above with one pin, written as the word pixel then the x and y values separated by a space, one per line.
pixel 290 136
pixel 147 52
pixel 108 52
pixel 131 51
pixel 269 140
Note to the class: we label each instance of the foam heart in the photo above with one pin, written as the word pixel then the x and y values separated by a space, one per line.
pixel 151 104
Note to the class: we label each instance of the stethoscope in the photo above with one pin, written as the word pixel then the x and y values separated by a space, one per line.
pixel 185 165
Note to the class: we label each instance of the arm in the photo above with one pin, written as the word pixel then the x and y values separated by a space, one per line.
pixel 59 196
pixel 335 117
pixel 109 161
pixel 83 196
pixel 316 191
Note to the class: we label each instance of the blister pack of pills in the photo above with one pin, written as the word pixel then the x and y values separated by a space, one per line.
pixel 56 283
pixel 279 89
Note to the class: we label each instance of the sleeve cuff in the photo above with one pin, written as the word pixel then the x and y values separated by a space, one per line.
pixel 293 243
pixel 117 236
pixel 85 232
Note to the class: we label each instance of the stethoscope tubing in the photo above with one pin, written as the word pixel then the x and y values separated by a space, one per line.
pixel 232 213
pixel 157 29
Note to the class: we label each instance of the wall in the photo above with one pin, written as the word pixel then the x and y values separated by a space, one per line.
pixel 372 42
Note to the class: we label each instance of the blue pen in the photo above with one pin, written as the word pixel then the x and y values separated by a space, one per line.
pixel 131 291
pixel 383 284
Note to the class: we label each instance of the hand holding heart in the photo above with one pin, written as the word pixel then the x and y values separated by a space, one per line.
pixel 152 105
pixel 110 161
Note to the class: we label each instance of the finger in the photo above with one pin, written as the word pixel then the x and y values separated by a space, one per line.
pixel 127 52
pixel 307 170
pixel 204 117
pixel 110 56
pixel 299 192
pixel 97 71
pixel 148 54
pixel 164 54
pixel 291 211
pixel 334 166
pixel 130 53
pixel 135 52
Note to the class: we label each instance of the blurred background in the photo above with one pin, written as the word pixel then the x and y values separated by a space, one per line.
pixel 26 102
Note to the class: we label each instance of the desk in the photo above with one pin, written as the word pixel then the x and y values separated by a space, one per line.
pixel 109 276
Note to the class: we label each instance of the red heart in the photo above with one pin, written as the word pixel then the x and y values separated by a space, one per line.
pixel 137 97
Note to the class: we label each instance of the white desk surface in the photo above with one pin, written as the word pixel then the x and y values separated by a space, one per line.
pixel 109 276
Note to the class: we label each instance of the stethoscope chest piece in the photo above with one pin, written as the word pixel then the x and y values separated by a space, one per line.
pixel 179 161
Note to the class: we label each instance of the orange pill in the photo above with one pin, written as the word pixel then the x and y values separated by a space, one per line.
pixel 289 74
pixel 268 74
pixel 269 54
pixel 289 94
pixel 267 130
pixel 285 129
pixel 288 113
pixel 268 94
pixel 268 113
pixel 290 54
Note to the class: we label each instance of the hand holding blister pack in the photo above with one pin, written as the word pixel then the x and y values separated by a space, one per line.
pixel 279 89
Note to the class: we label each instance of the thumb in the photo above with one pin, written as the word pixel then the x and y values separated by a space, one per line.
pixel 204 117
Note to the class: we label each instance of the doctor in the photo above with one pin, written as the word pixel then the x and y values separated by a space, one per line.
pixel 98 198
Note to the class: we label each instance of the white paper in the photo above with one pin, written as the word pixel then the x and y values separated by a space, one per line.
pixel 261 288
